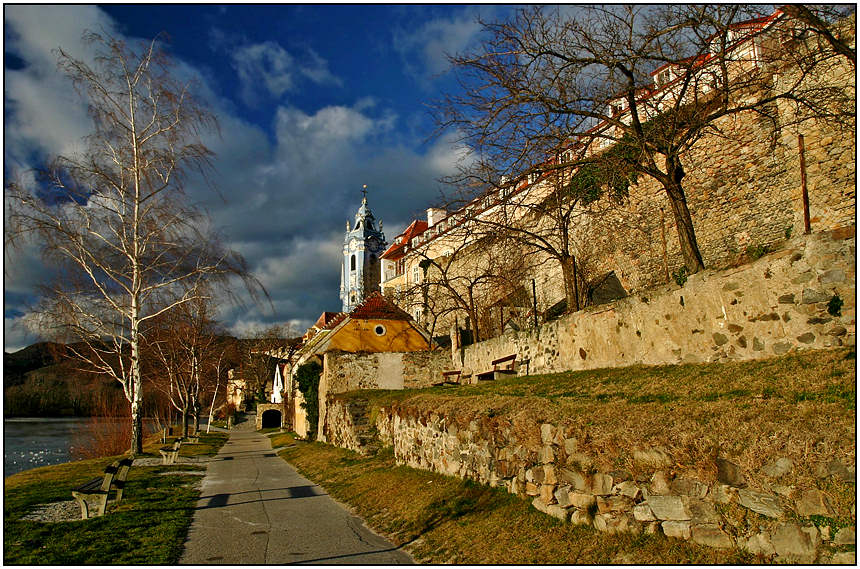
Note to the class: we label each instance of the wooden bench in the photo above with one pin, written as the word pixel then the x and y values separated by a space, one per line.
pixel 450 377
pixel 501 367
pixel 115 475
pixel 170 453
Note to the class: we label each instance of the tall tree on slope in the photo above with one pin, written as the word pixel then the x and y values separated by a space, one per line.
pixel 552 88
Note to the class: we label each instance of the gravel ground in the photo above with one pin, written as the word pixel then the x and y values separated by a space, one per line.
pixel 68 511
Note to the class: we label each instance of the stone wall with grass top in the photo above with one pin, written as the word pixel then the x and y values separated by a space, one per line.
pixel 801 296
pixel 781 510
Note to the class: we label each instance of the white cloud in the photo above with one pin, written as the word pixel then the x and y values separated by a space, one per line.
pixel 270 66
pixel 284 198
pixel 425 50
pixel 17 333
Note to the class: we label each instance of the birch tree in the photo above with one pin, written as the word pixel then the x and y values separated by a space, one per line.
pixel 114 219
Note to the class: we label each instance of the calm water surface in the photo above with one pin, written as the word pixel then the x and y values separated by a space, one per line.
pixel 32 442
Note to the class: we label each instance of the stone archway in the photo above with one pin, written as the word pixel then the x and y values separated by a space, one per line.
pixel 271 419
pixel 270 415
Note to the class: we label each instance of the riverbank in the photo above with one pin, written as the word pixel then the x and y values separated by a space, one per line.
pixel 148 527
pixel 32 442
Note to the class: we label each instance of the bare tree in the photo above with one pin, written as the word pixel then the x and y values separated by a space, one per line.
pixel 181 345
pixel 260 355
pixel 463 274
pixel 550 89
pixel 113 218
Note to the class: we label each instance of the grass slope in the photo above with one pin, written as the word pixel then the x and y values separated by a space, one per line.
pixel 148 527
pixel 801 406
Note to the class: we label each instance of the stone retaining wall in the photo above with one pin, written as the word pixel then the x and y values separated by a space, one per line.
pixel 764 308
pixel 774 521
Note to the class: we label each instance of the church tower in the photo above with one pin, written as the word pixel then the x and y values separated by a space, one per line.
pixel 362 245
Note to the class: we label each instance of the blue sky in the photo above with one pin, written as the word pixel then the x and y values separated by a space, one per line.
pixel 313 102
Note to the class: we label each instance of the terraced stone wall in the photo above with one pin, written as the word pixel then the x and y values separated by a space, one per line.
pixel 777 521
pixel 802 296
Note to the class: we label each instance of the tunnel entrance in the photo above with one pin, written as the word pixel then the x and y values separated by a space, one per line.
pixel 271 419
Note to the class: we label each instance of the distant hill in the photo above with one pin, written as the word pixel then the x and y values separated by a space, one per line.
pixel 17 364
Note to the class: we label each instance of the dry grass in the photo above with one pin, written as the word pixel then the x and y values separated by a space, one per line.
pixel 801 406
pixel 441 519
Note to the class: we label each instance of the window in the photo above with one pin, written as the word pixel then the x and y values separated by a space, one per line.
pixel 352 263
pixel 379 330
pixel 416 274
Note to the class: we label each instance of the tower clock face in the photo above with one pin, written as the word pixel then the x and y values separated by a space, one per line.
pixel 353 244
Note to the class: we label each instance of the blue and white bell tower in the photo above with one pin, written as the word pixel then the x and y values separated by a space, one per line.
pixel 362 246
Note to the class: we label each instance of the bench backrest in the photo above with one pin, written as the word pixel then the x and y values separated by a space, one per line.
pixel 505 359
pixel 110 472
pixel 122 472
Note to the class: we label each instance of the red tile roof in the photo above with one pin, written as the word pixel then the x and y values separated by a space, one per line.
pixel 377 307
pixel 397 249
pixel 325 318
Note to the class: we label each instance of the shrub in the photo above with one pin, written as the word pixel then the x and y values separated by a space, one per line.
pixel 308 379
pixel 680 276
pixel 757 251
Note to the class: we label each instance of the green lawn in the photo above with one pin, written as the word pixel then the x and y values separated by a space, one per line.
pixel 148 527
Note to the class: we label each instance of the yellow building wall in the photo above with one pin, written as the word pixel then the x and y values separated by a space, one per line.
pixel 359 336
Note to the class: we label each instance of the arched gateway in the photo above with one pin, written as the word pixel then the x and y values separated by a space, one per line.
pixel 270 416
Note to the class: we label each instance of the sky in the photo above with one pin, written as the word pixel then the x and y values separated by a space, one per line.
pixel 313 102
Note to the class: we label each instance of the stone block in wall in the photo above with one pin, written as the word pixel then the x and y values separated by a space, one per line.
pixel 573 477
pixel 547 433
pixel 642 513
pixel 601 484
pixel 730 473
pixel 668 507
pixel 701 511
pixel 553 510
pixel 660 484
pixel 794 543
pixel 580 517
pixel 846 536
pixel 615 523
pixel 813 502
pixel 687 487
pixel 547 492
pixel 678 529
pixel 628 488
pixel 761 503
pixel 711 535
pixel 759 544
pixel 606 504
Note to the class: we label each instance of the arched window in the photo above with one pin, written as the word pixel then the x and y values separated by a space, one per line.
pixel 352 263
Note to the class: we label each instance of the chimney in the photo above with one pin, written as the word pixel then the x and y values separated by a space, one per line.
pixel 435 215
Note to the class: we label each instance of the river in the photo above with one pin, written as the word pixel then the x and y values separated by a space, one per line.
pixel 32 442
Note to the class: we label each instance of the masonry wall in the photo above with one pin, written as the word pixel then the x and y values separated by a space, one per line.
pixel 349 371
pixel 764 308
pixel 548 468
pixel 743 186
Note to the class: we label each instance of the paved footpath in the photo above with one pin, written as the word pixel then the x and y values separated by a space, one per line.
pixel 256 509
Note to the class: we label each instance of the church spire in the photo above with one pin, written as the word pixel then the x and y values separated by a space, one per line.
pixel 363 243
